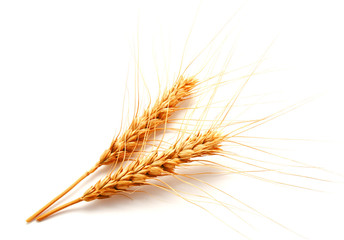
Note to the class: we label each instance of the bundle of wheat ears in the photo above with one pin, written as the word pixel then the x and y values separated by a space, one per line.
pixel 140 154
pixel 129 141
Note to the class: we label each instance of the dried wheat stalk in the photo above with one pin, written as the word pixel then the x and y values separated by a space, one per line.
pixel 141 126
pixel 187 147
pixel 182 153
pixel 156 164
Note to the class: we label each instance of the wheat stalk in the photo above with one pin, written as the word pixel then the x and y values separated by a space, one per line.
pixel 181 153
pixel 156 164
pixel 141 126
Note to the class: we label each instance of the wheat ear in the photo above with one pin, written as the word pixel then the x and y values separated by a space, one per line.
pixel 140 127
pixel 152 166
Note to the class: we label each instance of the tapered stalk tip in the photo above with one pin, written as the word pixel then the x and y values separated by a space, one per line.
pixel 55 210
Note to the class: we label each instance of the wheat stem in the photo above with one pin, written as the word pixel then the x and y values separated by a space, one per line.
pixel 61 194
pixel 43 216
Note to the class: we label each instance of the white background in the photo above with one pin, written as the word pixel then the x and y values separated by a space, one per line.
pixel 63 65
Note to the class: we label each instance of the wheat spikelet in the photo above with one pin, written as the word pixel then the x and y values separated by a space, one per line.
pixel 141 126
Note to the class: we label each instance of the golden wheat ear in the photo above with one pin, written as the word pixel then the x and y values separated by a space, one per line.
pixel 141 126
pixel 156 164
